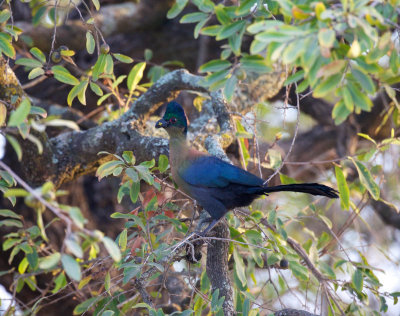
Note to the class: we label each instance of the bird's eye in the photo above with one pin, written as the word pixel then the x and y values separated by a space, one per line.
pixel 172 120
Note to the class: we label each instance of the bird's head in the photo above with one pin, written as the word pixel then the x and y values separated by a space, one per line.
pixel 174 119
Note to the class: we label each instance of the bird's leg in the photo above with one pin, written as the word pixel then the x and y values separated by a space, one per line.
pixel 211 226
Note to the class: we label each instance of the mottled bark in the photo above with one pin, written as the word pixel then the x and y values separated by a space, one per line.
pixel 293 312
pixel 217 266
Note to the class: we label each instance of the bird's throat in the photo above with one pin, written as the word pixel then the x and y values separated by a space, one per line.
pixel 178 150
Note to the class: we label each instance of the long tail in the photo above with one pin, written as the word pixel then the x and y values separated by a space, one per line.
pixel 310 188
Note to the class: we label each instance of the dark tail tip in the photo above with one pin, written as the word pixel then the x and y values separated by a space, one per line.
pixel 310 188
pixel 328 191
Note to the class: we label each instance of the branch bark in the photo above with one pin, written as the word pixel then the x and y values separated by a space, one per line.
pixel 72 154
pixel 217 267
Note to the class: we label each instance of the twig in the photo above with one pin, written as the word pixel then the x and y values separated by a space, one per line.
pixel 34 82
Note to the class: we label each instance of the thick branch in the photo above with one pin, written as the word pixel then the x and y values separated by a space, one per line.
pixel 72 154
pixel 293 312
pixel 388 214
pixel 217 266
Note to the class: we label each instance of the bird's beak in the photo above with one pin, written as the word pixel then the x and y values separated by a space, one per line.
pixel 162 123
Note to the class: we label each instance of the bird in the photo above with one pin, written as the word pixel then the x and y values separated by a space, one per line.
pixel 216 185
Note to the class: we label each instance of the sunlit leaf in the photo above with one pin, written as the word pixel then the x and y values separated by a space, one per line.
pixel 71 267
pixel 366 179
pixel 112 248
pixel 135 75
pixel 18 116
pixel 344 192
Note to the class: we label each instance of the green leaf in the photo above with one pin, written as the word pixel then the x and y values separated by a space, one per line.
pixel 6 46
pixel 327 86
pixel 364 80
pixel 215 77
pixel 90 43
pixel 134 191
pixel 95 88
pixel 357 280
pixel 76 215
pixel 148 55
pixel 347 98
pixel 123 239
pixel 257 46
pixel 33 258
pixel 18 116
pixel 109 66
pixel 299 271
pixel 11 223
pixel 78 90
pixel 63 75
pixel 292 51
pixel 131 173
pixel 340 112
pixel 128 157
pixel 215 65
pixel 294 78
pixel 96 4
pixel 230 29
pixel 15 145
pixel 112 248
pixel 245 7
pixel 254 63
pixel 4 15
pixel 37 142
pixel 240 267
pixel 123 58
pixel 135 75
pixel 222 15
pixel 211 30
pixel 162 163
pixel 393 62
pixel 28 62
pixel 326 37
pixel 99 66
pixel 145 174
pixel 193 17
pixel 23 265
pixel 360 100
pixel 107 168
pixel 272 259
pixel 71 267
pixel 366 179
pixel 36 110
pixel 49 261
pixel 74 247
pixel 86 305
pixel 38 54
pixel 229 88
pixel 122 191
pixel 9 213
pixel 344 192
pixel 332 68
pixel 176 8
pixel 7 178
pixel 35 72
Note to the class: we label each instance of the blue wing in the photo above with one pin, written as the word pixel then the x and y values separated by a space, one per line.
pixel 212 172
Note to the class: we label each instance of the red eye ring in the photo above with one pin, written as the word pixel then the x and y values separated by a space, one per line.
pixel 172 120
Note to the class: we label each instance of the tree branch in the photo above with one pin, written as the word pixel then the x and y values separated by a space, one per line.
pixel 217 266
